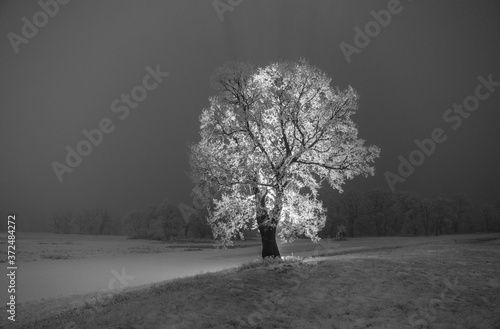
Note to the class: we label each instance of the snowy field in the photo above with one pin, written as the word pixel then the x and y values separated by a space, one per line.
pixel 60 272
pixel 58 265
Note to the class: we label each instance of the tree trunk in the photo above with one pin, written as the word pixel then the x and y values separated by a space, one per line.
pixel 104 223
pixel 426 225
pixel 351 227
pixel 269 245
pixel 267 221
pixel 437 227
pixel 415 229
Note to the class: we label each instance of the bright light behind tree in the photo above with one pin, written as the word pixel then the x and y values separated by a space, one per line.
pixel 269 138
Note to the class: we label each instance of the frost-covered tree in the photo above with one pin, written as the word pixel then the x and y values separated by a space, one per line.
pixel 269 138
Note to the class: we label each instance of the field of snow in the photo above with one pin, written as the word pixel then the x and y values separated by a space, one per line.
pixel 57 270
pixel 58 265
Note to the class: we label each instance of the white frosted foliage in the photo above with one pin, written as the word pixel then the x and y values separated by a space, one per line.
pixel 269 138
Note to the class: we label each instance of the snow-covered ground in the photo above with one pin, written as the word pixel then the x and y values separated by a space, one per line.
pixel 50 265
pixel 55 265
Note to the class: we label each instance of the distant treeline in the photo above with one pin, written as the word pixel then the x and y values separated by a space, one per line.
pixel 383 213
pixel 164 222
pixel 161 222
pixel 88 221
pixel 376 212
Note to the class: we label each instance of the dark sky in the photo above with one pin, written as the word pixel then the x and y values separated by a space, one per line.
pixel 65 78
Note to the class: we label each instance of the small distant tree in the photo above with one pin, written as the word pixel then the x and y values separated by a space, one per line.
pixel 85 221
pixel 156 230
pixel 409 205
pixel 200 226
pixel 61 221
pixel 352 202
pixel 115 226
pixel 269 139
pixel 490 218
pixel 463 209
pixel 105 226
pixel 442 213
pixel 97 220
pixel 425 211
pixel 132 223
pixel 379 206
pixel 171 220
pixel 148 216
pixel 78 222
pixel 497 211
pixel 334 214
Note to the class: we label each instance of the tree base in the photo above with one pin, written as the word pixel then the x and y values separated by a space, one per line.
pixel 269 245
